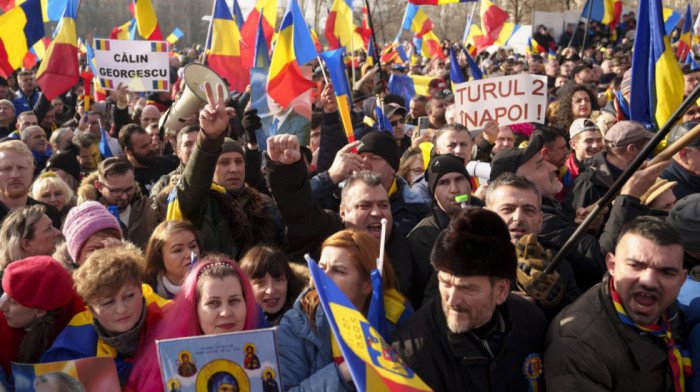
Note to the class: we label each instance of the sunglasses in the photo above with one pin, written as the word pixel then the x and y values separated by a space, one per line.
pixel 397 122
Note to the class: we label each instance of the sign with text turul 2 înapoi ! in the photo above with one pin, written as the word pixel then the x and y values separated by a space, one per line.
pixel 509 99
pixel 140 65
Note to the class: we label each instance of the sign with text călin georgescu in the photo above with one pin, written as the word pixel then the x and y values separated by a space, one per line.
pixel 509 99
pixel 140 65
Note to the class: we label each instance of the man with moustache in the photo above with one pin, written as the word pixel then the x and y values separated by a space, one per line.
pixel 475 335
pixel 623 334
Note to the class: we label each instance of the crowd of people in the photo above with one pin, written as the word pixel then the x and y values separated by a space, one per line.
pixel 117 231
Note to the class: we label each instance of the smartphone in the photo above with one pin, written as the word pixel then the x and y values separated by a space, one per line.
pixel 423 124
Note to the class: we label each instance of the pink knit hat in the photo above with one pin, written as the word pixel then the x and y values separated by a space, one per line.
pixel 85 220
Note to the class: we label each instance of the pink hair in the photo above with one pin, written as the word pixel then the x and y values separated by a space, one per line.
pixel 180 320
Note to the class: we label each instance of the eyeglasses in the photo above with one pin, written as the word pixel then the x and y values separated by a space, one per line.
pixel 116 191
pixel 397 121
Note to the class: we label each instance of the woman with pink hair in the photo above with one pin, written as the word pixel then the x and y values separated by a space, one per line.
pixel 216 297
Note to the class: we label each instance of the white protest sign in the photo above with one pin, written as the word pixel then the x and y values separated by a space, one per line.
pixel 508 99
pixel 140 65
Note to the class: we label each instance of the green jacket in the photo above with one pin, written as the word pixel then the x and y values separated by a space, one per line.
pixel 229 223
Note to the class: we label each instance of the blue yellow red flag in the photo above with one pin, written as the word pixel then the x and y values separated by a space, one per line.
pixel 60 69
pixel 456 75
pixel 415 20
pixel 146 20
pixel 20 29
pixel 551 55
pixel 671 19
pixel 262 56
pixel 373 364
pixel 339 25
pixel 268 10
pixel 685 40
pixel 604 11
pixel 657 81
pixel 294 48
pixel 477 73
pixel 492 19
pixel 371 55
pixel 408 86
pixel 431 46
pixel 175 36
pixel 238 15
pixel 341 86
pixel 225 51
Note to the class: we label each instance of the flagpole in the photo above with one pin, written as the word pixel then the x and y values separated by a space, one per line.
pixel 614 189
pixel 352 56
pixel 585 33
pixel 470 21
pixel 211 23
pixel 374 38
pixel 380 259
pixel 321 64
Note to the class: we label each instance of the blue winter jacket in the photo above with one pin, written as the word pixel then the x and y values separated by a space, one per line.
pixel 306 360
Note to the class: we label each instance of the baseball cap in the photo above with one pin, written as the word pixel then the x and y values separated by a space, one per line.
pixel 394 108
pixel 444 94
pixel 582 125
pixel 627 132
pixel 509 160
pixel 437 83
pixel 680 130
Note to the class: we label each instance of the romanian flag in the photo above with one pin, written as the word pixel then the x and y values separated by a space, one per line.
pixel 371 55
pixel 438 2
pixel 293 49
pixel 20 29
pixel 104 146
pixel 51 9
pixel 492 20
pixel 477 73
pixel 175 36
pixel 408 86
pixel 671 19
pixel 314 37
pixel 686 34
pixel 268 10
pixel 80 340
pixel 60 69
pixel 551 55
pixel 506 32
pixel 416 20
pixel 533 46
pixel 262 56
pixel 225 52
pixel 471 30
pixel 238 15
pixel 364 31
pixel 657 82
pixel 36 53
pixel 339 26
pixel 125 31
pixel 456 75
pixel 372 363
pixel 428 45
pixel 604 11
pixel 94 374
pixel 81 46
pixel 339 78
pixel 146 20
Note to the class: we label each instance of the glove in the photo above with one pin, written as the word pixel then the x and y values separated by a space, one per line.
pixel 547 290
pixel 250 123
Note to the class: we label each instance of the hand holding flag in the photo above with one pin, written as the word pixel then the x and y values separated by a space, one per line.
pixel 373 364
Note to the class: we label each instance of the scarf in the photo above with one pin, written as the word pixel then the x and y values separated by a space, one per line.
pixel 126 343
pixel 677 358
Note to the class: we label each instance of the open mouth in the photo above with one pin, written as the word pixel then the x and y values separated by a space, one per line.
pixel 374 228
pixel 644 301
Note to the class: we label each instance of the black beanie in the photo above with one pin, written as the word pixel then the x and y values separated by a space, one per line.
pixel 66 161
pixel 381 143
pixel 442 164
pixel 232 145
